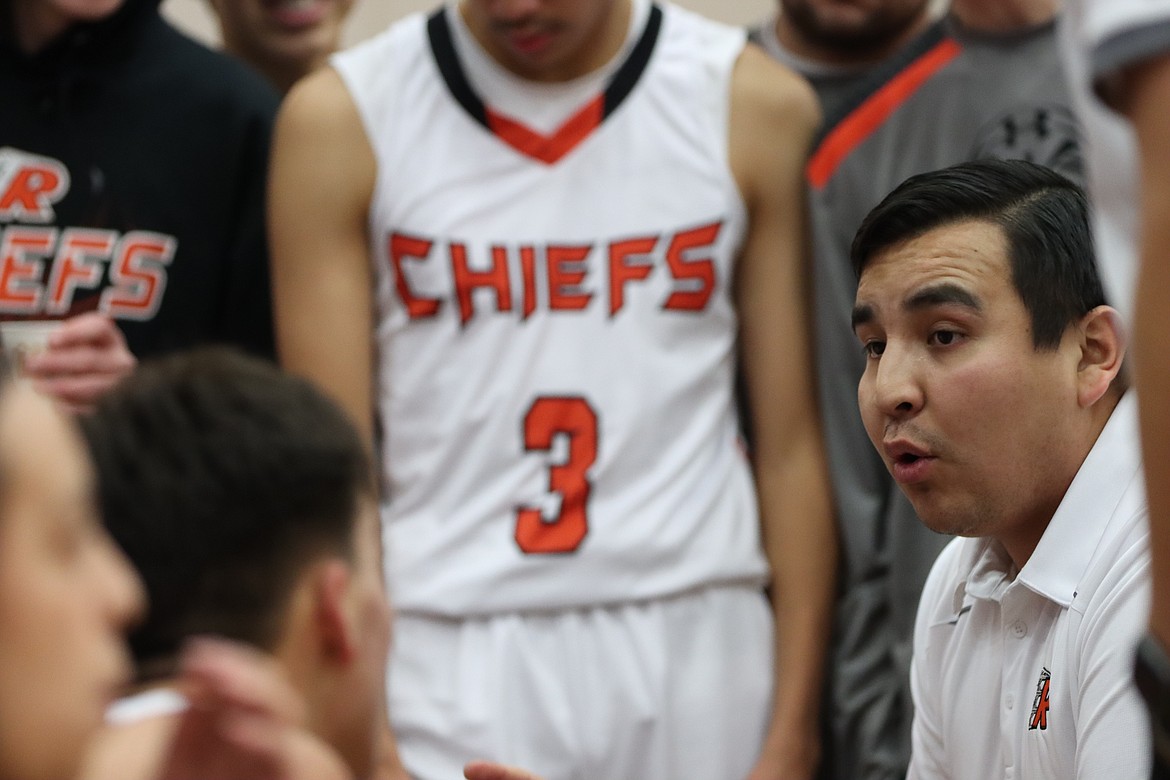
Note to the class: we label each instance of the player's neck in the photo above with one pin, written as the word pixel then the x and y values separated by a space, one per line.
pixel 597 45
pixel 1003 16
pixel 800 45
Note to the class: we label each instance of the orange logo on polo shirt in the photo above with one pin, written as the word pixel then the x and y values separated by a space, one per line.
pixel 1039 718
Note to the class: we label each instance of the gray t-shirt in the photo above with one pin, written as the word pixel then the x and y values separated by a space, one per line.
pixel 833 83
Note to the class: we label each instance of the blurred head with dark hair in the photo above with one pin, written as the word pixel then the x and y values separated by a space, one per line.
pixel 993 361
pixel 244 498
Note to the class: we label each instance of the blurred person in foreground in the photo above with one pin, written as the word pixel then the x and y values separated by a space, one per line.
pixel 244 499
pixel 67 597
pixel 1118 55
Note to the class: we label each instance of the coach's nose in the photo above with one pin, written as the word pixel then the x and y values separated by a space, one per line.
pixel 892 384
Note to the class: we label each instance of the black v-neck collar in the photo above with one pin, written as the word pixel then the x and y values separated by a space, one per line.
pixel 546 148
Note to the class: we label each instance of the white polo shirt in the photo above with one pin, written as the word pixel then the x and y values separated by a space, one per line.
pixel 1029 675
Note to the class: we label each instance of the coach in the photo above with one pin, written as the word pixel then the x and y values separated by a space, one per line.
pixel 995 393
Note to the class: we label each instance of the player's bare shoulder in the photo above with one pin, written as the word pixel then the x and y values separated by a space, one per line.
pixel 769 92
pixel 774 114
pixel 321 103
pixel 320 141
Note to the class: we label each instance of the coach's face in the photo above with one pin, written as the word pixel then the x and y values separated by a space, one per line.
pixel 976 425
pixel 548 40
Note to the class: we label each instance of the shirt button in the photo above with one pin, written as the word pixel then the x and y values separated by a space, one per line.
pixel 1009 701
pixel 1019 629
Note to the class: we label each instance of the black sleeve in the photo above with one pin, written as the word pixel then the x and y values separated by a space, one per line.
pixel 245 316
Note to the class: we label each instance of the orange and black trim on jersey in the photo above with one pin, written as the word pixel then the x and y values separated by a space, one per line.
pixel 548 149
pixel 887 92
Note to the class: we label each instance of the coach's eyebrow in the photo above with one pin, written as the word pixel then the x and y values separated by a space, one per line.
pixel 862 315
pixel 942 295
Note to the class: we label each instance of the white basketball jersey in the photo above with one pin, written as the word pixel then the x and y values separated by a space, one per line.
pixel 555 325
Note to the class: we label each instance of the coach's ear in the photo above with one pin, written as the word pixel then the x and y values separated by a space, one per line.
pixel 336 631
pixel 1102 351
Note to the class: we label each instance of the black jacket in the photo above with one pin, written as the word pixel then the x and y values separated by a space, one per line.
pixel 132 174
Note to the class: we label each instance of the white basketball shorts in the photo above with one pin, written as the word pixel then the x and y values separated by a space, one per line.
pixel 660 690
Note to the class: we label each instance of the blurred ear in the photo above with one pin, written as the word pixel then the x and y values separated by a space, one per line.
pixel 336 631
pixel 1102 345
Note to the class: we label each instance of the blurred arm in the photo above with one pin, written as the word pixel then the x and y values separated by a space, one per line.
pixel 1145 99
pixel 773 117
pixel 321 182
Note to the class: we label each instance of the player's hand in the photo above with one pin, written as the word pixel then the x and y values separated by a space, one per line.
pixel 86 356
pixel 485 770
pixel 244 719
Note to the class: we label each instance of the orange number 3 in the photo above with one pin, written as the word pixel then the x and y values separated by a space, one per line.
pixel 547 418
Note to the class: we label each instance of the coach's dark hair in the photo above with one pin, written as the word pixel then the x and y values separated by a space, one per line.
pixel 1043 215
pixel 222 477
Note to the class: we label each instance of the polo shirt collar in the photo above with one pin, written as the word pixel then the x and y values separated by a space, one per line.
pixel 1064 551
pixel 991 571
pixel 1059 561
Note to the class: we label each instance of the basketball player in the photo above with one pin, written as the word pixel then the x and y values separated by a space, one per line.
pixel 569 218
pixel 66 598
pixel 242 495
pixel 266 542
pixel 284 40
pixel 66 595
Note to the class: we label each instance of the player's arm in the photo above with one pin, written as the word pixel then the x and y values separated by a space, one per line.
pixel 773 116
pixel 1144 96
pixel 320 185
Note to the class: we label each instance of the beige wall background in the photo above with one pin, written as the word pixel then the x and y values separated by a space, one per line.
pixel 371 16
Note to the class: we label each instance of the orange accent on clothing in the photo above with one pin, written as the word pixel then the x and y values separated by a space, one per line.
pixel 549 148
pixel 870 115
